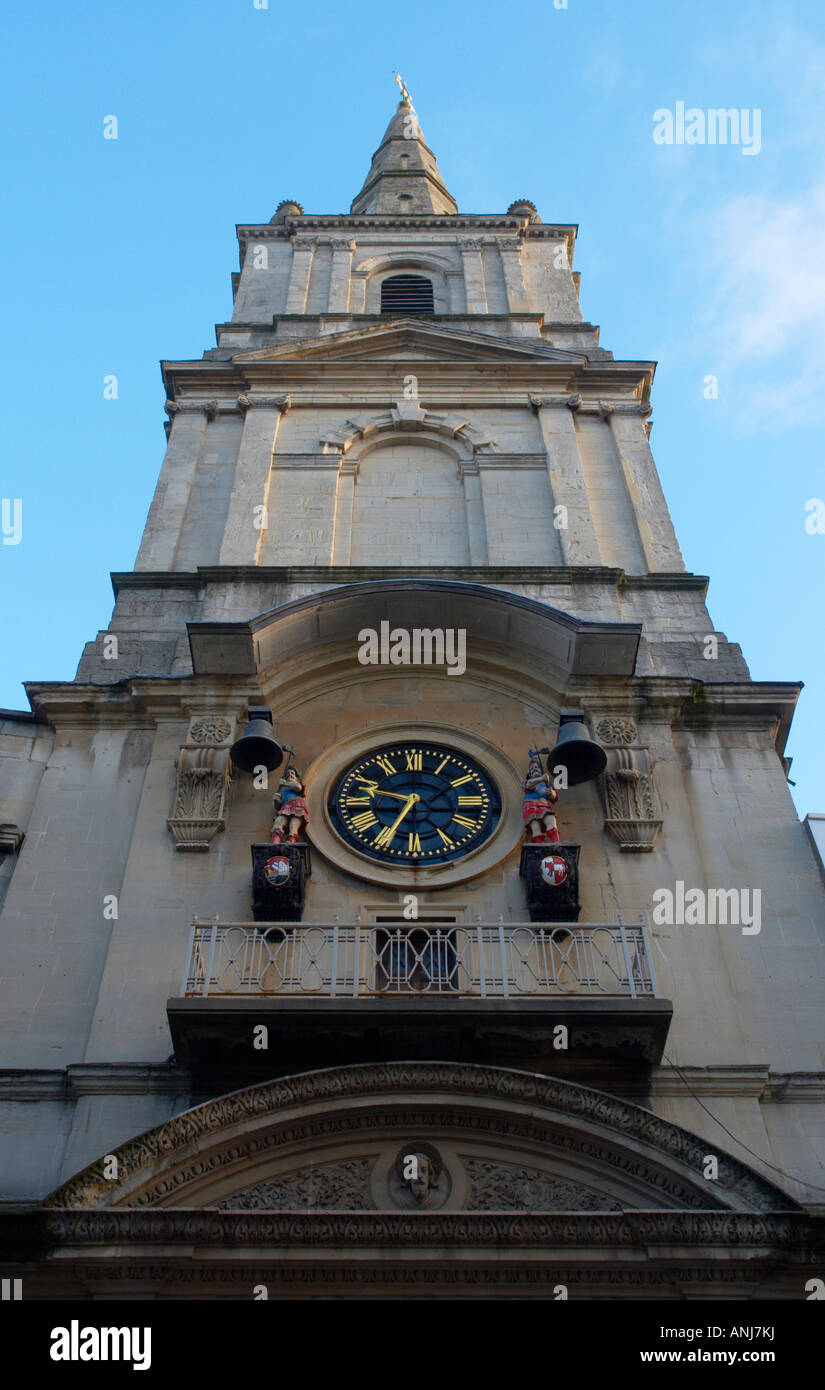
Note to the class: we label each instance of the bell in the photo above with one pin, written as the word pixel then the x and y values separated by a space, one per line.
pixel 257 745
pixel 576 749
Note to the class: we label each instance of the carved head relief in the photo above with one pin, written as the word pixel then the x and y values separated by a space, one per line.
pixel 419 1177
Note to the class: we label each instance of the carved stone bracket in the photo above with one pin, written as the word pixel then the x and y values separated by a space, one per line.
pixel 279 875
pixel 203 776
pixel 551 881
pixel 627 788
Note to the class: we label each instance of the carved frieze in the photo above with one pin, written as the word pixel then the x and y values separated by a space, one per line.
pixel 339 1186
pixel 514 1187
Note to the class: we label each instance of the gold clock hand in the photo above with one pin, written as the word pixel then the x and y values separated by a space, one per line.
pixel 385 836
pixel 397 796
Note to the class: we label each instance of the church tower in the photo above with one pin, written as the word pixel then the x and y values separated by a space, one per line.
pixel 411 864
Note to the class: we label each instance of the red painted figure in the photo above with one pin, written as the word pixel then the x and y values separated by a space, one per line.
pixel 539 799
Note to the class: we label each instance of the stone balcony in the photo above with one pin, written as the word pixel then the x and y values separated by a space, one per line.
pixel 551 998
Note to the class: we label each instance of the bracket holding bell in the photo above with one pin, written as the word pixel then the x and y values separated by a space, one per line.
pixel 576 749
pixel 257 745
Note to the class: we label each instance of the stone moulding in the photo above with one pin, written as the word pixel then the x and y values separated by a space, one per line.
pixel 736 1230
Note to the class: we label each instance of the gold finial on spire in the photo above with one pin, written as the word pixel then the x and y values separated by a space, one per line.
pixel 405 96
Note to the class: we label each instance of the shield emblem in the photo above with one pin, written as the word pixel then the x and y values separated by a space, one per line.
pixel 277 870
pixel 553 870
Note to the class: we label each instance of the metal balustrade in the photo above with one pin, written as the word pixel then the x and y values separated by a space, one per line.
pixel 507 960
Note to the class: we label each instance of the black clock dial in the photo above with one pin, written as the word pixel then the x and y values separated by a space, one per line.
pixel 415 803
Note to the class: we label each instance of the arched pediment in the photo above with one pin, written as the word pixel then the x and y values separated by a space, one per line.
pixel 495 1140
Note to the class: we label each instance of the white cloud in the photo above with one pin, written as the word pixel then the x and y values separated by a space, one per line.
pixel 765 327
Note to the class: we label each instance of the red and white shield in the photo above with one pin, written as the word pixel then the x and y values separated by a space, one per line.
pixel 277 870
pixel 553 869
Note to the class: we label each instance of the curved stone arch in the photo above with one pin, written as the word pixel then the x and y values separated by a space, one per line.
pixel 406 418
pixel 210 1155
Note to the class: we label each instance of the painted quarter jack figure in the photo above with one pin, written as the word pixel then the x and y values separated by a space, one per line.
pixel 291 812
pixel 539 799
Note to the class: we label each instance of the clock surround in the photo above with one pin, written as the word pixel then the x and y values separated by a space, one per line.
pixel 326 772
pixel 415 803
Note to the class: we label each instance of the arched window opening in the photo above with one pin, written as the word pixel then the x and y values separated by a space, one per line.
pixel 407 294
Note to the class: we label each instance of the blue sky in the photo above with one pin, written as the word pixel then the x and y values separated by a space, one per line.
pixel 118 253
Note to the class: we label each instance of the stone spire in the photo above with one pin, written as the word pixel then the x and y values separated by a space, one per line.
pixel 404 177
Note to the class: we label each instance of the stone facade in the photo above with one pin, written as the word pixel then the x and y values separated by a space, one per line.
pixel 486 466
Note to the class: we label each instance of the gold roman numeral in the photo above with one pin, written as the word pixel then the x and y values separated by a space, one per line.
pixel 384 837
pixel 470 801
pixel 462 820
pixel 443 763
pixel 414 761
pixel 386 765
pixel 365 820
pixel 414 844
pixel 459 781
pixel 449 844
pixel 360 801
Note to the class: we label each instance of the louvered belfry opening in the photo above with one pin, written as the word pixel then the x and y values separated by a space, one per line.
pixel 407 294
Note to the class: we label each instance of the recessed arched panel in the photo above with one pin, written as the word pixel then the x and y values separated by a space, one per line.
pixel 409 508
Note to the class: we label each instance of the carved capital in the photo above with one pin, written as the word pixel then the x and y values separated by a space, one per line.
pixel 208 408
pixel 279 403
pixel 553 402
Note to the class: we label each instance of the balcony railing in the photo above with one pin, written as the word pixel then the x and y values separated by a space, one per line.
pixel 501 961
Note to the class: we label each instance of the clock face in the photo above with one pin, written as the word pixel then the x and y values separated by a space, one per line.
pixel 415 803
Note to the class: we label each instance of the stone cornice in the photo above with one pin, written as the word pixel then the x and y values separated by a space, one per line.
pixel 570 378
pixel 349 574
pixel 755 1081
pixel 93 1079
pixel 424 222
pixel 138 701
